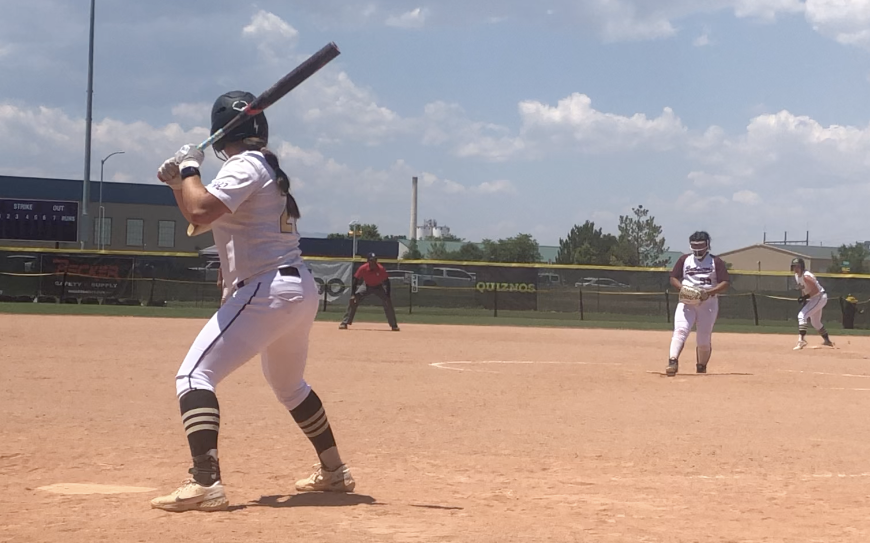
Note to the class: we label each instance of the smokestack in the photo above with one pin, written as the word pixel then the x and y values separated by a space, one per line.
pixel 412 234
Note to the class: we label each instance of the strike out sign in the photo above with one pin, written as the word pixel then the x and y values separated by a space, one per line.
pixel 39 220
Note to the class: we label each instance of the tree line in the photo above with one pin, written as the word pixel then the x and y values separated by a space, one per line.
pixel 639 242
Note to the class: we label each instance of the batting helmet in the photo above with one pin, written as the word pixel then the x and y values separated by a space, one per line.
pixel 700 244
pixel 371 256
pixel 225 108
pixel 798 262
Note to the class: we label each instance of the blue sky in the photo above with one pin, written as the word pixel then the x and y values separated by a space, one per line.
pixel 733 116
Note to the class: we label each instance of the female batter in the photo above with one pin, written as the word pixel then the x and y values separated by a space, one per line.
pixel 269 310
pixel 708 273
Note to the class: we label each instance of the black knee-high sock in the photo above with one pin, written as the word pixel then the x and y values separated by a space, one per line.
pixel 311 418
pixel 824 333
pixel 200 415
pixel 802 330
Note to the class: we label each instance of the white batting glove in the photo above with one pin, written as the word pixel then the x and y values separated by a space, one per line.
pixel 170 174
pixel 189 155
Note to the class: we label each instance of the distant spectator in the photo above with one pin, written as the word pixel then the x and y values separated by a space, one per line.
pixel 849 306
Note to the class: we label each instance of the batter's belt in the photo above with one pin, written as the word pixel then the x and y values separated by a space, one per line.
pixel 283 270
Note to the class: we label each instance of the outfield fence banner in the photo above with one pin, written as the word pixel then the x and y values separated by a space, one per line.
pixel 333 279
pixel 480 289
pixel 85 276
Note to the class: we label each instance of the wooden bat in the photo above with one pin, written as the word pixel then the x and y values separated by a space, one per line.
pixel 271 95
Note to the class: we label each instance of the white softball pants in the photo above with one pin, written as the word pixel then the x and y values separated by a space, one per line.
pixel 271 315
pixel 812 311
pixel 687 316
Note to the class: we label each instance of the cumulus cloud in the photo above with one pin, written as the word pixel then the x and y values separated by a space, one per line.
pixel 415 18
pixel 846 21
pixel 270 32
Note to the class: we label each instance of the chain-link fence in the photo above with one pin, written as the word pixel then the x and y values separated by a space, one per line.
pixel 589 293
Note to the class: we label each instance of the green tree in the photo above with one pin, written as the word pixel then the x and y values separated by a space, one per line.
pixel 640 239
pixel 520 248
pixel 470 252
pixel 413 251
pixel 586 245
pixel 855 254
pixel 438 251
pixel 364 231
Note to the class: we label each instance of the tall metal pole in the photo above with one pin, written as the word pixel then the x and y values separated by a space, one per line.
pixel 87 179
pixel 100 241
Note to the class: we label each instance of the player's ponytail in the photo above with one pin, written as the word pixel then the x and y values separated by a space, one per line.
pixel 283 182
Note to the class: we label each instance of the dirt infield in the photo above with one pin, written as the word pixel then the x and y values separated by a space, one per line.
pixel 480 434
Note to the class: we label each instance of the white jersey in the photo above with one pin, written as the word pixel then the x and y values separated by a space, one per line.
pixel 257 235
pixel 807 277
pixel 703 273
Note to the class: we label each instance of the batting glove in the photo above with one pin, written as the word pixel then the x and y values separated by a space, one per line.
pixel 189 156
pixel 170 174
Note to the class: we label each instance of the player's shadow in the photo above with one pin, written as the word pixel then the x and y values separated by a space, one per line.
pixel 309 499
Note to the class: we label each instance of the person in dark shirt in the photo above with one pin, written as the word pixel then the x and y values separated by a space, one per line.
pixel 370 278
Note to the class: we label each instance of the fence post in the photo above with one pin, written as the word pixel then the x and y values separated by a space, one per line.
pixel 325 294
pixel 63 288
pixel 495 301
pixel 668 305
pixel 151 294
pixel 410 297
pixel 581 303
pixel 754 307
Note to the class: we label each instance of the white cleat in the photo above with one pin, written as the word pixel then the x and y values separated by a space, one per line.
pixel 192 496
pixel 800 345
pixel 322 480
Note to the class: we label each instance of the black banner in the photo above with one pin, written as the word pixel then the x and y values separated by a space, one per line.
pixel 87 276
pixel 510 288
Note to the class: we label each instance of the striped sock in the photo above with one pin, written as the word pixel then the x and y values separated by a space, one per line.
pixel 200 415
pixel 311 418
pixel 824 333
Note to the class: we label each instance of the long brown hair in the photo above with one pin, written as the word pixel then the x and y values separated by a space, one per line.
pixel 281 177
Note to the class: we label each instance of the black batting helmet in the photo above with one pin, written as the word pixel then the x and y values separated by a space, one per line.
pixel 225 108
pixel 371 256
pixel 700 244
pixel 798 262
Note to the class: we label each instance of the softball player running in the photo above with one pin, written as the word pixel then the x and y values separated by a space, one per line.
pixel 812 299
pixel 709 274
pixel 269 310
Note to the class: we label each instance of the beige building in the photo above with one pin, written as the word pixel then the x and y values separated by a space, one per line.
pixel 137 217
pixel 778 257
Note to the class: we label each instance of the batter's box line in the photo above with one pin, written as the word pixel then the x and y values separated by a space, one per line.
pixel 825 373
pixel 445 366
pixel 719 374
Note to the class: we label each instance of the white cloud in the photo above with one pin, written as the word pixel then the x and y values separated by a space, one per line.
pixel 415 18
pixel 574 122
pixel 195 113
pixel 493 187
pixel 270 32
pixel 704 179
pixel 846 21
pixel 747 197
pixel 701 41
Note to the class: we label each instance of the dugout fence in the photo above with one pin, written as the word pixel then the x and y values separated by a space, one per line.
pixel 529 291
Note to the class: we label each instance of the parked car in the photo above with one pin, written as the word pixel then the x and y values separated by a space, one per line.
pixel 546 279
pixel 448 277
pixel 400 276
pixel 209 272
pixel 600 283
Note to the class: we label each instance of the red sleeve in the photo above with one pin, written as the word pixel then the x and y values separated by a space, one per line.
pixel 359 272
pixel 677 272
pixel 721 270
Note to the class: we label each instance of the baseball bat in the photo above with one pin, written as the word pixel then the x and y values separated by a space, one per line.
pixel 268 97
pixel 277 91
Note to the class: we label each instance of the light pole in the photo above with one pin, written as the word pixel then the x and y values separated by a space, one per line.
pixel 102 245
pixel 352 231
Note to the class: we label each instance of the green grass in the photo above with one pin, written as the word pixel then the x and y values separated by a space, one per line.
pixel 432 316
